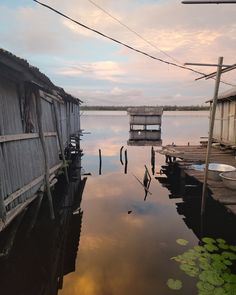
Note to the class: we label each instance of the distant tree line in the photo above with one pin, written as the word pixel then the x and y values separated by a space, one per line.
pixel 165 108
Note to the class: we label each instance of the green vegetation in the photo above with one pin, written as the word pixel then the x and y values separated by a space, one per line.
pixel 211 264
pixel 124 108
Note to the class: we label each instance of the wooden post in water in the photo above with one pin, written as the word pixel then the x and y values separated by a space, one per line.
pixel 126 161
pixel 100 162
pixel 121 159
pixel 60 140
pixel 44 148
pixel 210 135
pixel 153 160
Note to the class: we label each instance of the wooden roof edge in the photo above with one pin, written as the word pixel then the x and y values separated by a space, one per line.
pixel 226 95
pixel 33 75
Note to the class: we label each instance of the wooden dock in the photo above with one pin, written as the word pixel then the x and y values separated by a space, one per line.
pixel 186 156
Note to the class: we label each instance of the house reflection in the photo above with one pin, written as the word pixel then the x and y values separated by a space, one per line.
pixel 36 254
pixel 144 138
pixel 218 223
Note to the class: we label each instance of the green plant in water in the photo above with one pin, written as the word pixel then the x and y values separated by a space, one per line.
pixel 174 284
pixel 210 264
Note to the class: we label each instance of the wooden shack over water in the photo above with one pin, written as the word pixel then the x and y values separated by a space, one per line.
pixel 145 125
pixel 37 121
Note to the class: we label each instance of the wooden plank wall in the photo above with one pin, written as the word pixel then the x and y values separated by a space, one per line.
pixel 21 155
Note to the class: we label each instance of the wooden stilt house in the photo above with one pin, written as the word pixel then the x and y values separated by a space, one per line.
pixel 225 119
pixel 37 120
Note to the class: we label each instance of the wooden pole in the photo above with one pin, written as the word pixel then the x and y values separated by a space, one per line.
pixel 60 140
pixel 100 162
pixel 153 160
pixel 121 159
pixel 126 162
pixel 43 143
pixel 210 135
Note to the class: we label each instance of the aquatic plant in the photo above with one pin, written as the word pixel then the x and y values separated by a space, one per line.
pixel 210 263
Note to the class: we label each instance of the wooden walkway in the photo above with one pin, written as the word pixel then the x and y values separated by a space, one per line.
pixel 186 156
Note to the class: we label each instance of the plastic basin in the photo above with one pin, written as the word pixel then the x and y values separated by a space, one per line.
pixel 229 179
pixel 214 170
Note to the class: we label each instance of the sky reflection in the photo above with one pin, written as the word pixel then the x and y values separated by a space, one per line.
pixel 123 253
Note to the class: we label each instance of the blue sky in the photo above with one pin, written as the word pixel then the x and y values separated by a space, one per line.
pixel 103 73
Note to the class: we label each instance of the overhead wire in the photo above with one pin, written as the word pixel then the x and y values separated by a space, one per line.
pixel 134 32
pixel 122 43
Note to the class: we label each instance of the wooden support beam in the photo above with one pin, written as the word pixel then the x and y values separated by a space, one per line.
pixel 24 136
pixel 43 143
pixel 60 140
pixel 28 186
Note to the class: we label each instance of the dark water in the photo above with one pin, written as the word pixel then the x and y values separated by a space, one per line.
pixel 126 243
pixel 125 238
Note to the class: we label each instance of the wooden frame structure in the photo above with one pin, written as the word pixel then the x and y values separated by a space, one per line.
pixel 145 125
pixel 37 120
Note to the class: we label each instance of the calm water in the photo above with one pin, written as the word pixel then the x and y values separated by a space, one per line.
pixel 123 253
pixel 123 241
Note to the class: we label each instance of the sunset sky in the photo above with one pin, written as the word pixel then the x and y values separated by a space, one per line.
pixel 101 72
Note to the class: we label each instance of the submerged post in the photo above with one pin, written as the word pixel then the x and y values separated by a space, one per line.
pixel 100 162
pixel 211 127
pixel 126 162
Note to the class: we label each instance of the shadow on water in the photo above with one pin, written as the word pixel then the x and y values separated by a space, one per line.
pixel 211 263
pixel 38 252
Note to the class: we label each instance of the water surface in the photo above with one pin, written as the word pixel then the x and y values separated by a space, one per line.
pixel 123 253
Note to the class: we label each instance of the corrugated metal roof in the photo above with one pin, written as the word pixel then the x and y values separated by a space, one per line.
pixel 229 94
pixel 33 74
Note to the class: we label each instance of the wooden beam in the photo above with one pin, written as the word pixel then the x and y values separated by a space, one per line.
pixel 45 152
pixel 60 139
pixel 50 97
pixel 24 136
pixel 14 212
pixel 28 186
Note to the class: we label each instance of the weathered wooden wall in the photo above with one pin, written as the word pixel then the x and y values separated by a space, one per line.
pixel 22 167
pixel 225 122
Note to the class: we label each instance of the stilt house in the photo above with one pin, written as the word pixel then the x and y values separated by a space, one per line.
pixel 225 119
pixel 37 120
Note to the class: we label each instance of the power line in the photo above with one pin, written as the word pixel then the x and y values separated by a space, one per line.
pixel 122 43
pixel 134 32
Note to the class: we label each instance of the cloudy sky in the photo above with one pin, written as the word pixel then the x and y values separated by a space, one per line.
pixel 101 72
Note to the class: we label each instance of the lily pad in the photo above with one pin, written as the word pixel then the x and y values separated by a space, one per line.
pixel 216 257
pixel 211 277
pixel 199 249
pixel 229 278
pixel 208 240
pixel 220 291
pixel 221 241
pixel 223 246
pixel 204 286
pixel 219 266
pixel 232 247
pixel 174 284
pixel 182 242
pixel 210 247
pixel 230 288
pixel 229 255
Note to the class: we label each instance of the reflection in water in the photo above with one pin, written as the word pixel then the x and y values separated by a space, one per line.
pixel 43 251
pixel 125 244
pixel 211 263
